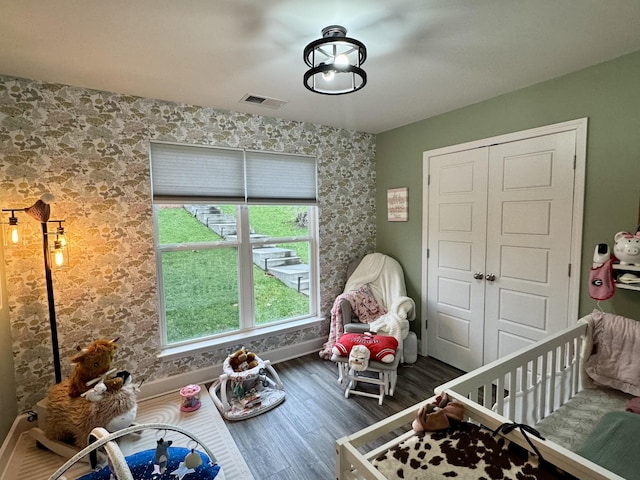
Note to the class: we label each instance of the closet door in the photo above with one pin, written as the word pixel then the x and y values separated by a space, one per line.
pixel 499 238
pixel 457 245
pixel 530 201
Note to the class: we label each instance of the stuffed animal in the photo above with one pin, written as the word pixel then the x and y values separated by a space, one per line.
pixel 438 415
pixel 359 358
pixel 382 348
pixel 242 360
pixel 90 398
pixel 93 365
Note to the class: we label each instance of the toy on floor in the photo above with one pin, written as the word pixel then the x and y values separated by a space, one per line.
pixel 245 393
pixel 166 462
pixel 92 397
pixel 242 360
pixel 93 365
pixel 190 398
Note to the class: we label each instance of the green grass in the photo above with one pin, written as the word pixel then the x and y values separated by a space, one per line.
pixel 201 286
pixel 277 221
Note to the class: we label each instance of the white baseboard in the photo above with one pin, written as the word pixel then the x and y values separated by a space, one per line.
pixel 211 373
pixel 19 426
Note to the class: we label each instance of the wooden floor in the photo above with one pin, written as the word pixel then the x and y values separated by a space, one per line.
pixel 296 440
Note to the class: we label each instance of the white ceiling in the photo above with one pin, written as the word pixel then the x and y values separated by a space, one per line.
pixel 425 57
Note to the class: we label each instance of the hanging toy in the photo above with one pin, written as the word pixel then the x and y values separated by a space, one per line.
pixel 161 457
pixel 182 470
pixel 263 376
pixel 192 460
pixel 238 389
pixel 188 465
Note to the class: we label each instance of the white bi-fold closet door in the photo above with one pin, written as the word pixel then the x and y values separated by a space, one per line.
pixel 501 222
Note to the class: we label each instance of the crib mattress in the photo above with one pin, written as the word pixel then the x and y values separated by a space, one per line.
pixel 463 451
pixel 572 423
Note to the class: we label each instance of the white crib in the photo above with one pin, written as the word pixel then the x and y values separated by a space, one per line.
pixel 533 383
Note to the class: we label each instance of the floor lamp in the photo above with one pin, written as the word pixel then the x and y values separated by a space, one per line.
pixel 53 253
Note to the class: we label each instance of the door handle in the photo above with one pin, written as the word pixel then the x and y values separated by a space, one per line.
pixel 490 277
pixel 478 276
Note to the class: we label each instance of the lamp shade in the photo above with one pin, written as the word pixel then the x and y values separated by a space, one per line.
pixel 335 63
pixel 41 210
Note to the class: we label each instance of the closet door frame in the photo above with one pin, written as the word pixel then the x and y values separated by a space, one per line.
pixel 580 128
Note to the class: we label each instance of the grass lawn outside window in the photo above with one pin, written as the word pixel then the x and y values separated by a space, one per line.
pixel 201 271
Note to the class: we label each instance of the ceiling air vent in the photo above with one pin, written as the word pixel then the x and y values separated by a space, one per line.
pixel 262 101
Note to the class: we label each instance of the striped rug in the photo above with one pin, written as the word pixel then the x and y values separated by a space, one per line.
pixel 206 423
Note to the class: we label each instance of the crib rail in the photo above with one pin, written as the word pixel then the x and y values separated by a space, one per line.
pixel 352 464
pixel 531 383
pixel 562 458
pixel 524 387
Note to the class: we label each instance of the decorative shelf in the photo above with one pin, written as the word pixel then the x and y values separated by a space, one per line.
pixel 626 268
pixel 631 268
pixel 625 286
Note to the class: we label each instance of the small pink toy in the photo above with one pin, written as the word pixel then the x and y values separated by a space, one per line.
pixel 190 398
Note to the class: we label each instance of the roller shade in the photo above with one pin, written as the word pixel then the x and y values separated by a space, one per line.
pixel 280 177
pixel 188 172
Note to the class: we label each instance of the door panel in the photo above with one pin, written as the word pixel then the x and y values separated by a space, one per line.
pixel 525 263
pixel 457 224
pixel 525 218
pixel 526 309
pixel 455 255
pixel 453 330
pixel 529 234
pixel 510 343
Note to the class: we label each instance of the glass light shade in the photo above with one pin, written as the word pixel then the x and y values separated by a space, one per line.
pixel 59 253
pixel 328 76
pixel 13 234
pixel 335 63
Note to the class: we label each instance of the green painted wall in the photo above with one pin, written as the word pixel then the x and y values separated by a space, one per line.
pixel 608 94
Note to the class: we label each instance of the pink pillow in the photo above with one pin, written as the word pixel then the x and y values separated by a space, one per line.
pixel 615 357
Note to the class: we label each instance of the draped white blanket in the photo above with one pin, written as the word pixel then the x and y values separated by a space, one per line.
pixel 396 321
pixel 384 276
pixel 385 279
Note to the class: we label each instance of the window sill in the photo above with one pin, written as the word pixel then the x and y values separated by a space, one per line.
pixel 195 348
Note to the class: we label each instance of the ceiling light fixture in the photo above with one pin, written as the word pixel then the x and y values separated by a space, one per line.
pixel 335 62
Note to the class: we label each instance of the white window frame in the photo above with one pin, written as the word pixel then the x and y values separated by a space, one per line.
pixel 244 244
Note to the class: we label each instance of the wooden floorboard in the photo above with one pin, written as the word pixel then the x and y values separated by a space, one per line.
pixel 296 440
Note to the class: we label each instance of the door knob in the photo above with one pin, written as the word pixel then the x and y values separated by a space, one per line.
pixel 478 275
pixel 490 277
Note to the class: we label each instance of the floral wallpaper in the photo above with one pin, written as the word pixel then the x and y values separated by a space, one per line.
pixel 90 150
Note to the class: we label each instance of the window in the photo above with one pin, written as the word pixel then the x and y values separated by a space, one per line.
pixel 236 241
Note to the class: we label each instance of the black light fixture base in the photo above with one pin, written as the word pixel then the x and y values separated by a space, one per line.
pixel 335 62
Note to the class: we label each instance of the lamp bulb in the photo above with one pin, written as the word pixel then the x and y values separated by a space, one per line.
pixel 341 59
pixel 15 237
pixel 328 76
pixel 58 258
